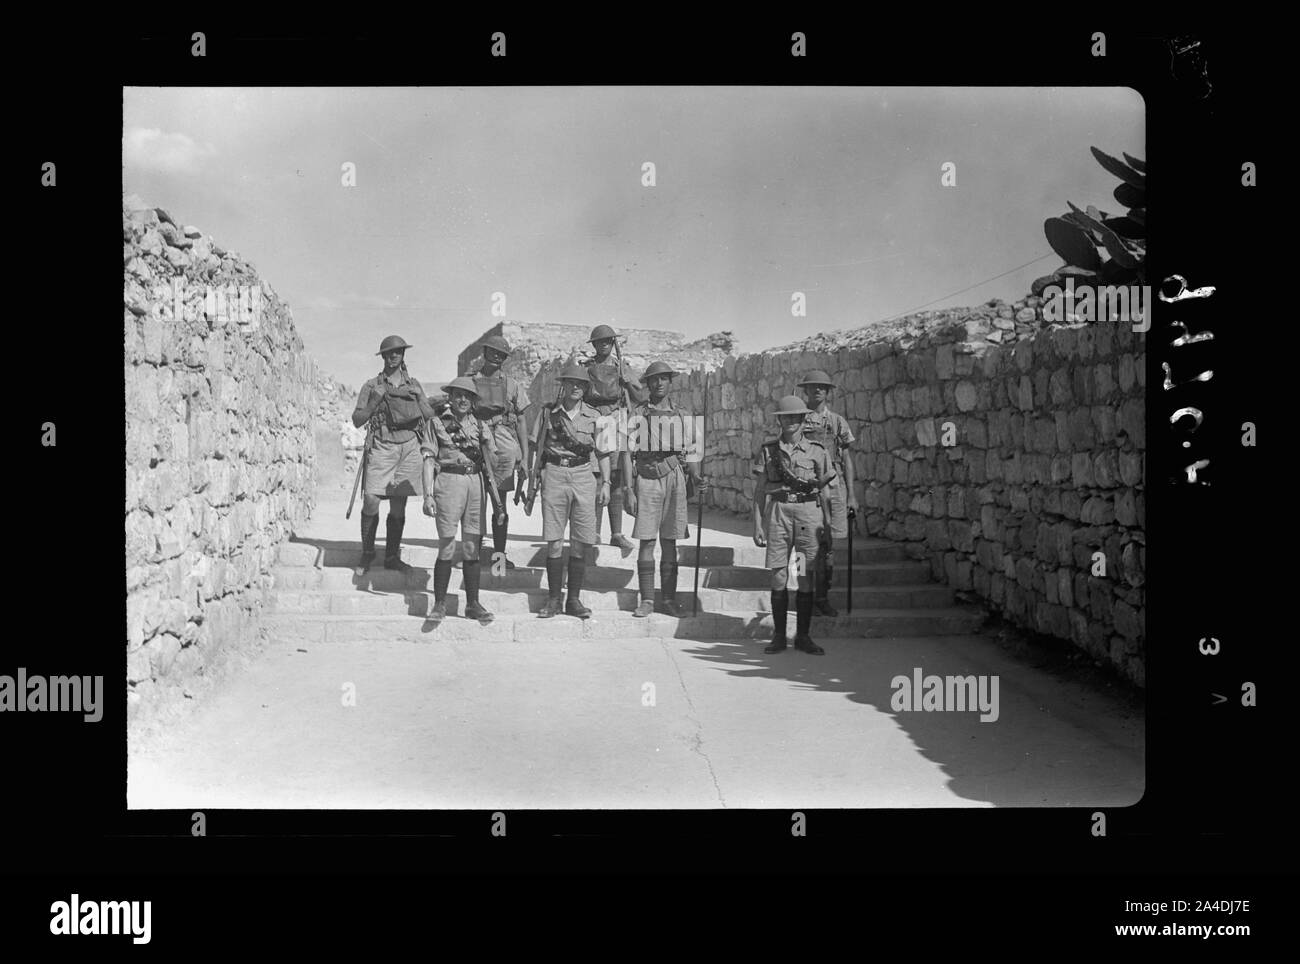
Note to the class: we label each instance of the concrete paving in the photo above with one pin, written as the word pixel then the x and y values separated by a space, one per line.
pixel 548 720
pixel 573 724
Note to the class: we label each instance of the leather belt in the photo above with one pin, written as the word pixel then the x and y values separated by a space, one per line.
pixel 567 461
pixel 793 496
pixel 456 468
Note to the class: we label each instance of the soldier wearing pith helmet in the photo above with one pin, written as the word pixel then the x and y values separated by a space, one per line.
pixel 459 445
pixel 612 387
pixel 567 466
pixel 501 404
pixel 663 452
pixel 831 430
pixel 791 475
pixel 396 410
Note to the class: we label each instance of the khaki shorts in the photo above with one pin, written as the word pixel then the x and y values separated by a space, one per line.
pixel 395 469
pixel 569 499
pixel 458 500
pixel 791 524
pixel 661 506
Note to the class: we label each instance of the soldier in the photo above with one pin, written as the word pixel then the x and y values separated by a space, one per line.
pixel 501 403
pixel 459 445
pixel 658 493
pixel 571 494
pixel 792 473
pixel 832 431
pixel 610 378
pixel 397 409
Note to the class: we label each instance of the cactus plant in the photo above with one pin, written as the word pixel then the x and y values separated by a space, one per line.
pixel 1081 237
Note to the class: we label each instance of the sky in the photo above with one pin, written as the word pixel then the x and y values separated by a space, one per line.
pixel 537 193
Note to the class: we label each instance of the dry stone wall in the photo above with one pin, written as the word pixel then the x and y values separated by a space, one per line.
pixel 1038 504
pixel 220 404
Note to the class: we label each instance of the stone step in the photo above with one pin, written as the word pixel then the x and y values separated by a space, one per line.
pixel 343 554
pixel 613 624
pixel 730 601
pixel 597 578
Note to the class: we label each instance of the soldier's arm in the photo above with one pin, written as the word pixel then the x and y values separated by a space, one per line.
pixel 760 485
pixel 367 401
pixel 429 450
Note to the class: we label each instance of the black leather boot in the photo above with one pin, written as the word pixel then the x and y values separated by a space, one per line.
pixel 369 528
pixel 500 532
pixel 577 571
pixel 555 586
pixel 470 572
pixel 803 614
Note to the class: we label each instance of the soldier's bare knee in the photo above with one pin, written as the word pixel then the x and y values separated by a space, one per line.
pixel 778 579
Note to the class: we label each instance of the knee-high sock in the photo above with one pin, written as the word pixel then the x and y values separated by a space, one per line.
pixel 393 540
pixel 577 571
pixel 441 579
pixel 555 576
pixel 499 532
pixel 668 576
pixel 645 577
pixel 803 602
pixel 369 529
pixel 780 606
pixel 470 572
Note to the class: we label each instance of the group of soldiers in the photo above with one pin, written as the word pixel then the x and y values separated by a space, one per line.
pixel 477 447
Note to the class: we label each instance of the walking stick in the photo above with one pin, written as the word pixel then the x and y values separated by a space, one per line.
pixel 699 504
pixel 852 516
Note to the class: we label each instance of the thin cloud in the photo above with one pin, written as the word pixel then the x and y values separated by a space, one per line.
pixel 150 149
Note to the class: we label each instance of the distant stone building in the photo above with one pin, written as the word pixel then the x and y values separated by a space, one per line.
pixel 539 350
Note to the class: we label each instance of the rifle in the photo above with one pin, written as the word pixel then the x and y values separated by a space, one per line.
pixel 361 469
pixel 543 432
pixel 490 484
pixel 699 504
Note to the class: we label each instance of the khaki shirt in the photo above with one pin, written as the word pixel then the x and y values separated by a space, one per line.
pixel 806 459
pixel 387 431
pixel 441 446
pixel 515 394
pixel 837 435
pixel 581 422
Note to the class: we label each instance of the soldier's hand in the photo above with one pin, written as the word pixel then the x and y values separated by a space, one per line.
pixel 429 507
pixel 602 495
pixel 629 502
pixel 760 538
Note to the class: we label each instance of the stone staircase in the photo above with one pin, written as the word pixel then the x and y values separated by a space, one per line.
pixel 316 598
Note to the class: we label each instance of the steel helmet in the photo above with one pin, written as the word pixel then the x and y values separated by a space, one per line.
pixel 464 383
pixel 660 368
pixel 392 343
pixel 497 343
pixel 791 405
pixel 602 331
pixel 816 377
pixel 575 371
